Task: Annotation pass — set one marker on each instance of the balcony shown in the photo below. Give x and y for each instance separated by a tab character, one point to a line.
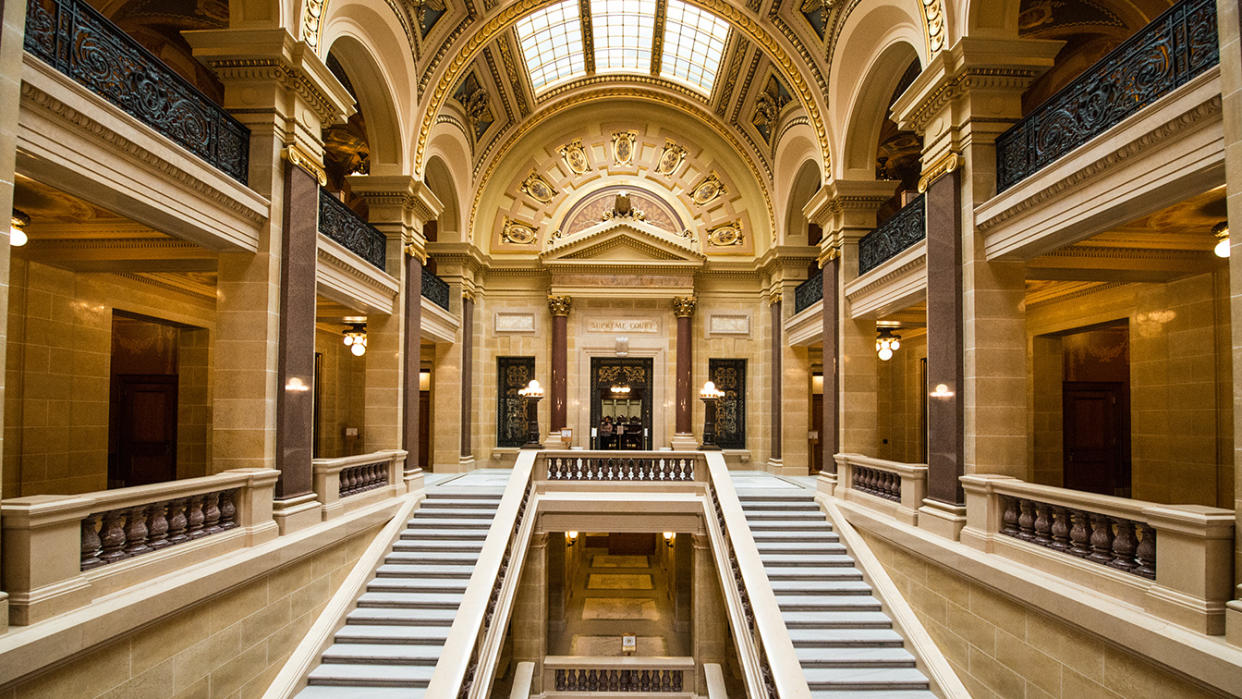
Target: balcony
80	43
1166	54
907	227
435	289
341	224
808	292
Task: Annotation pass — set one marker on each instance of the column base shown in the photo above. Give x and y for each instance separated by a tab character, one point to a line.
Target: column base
684	441
414	481
300	512
466	464
942	519
826	484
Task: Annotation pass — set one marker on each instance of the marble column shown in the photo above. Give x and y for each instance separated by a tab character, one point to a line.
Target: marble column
683	438
467	361
411	360
559	307
944	343
830	431
777	374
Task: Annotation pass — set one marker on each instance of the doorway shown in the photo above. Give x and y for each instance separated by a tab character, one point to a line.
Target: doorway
621	403
143	413
1095	409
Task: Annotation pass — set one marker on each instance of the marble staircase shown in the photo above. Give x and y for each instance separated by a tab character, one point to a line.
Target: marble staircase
391	641
845	641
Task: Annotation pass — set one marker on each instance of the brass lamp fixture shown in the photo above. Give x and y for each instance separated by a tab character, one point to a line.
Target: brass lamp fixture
17	228
356	338
622	390
531	394
710	395
1221	231
887	342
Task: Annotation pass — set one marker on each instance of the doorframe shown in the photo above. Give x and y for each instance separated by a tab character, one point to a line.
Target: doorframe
661	403
648	397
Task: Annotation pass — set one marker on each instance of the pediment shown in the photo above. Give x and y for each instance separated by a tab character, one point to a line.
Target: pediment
628	242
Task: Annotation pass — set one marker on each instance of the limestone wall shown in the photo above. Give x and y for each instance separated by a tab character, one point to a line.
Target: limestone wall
342	386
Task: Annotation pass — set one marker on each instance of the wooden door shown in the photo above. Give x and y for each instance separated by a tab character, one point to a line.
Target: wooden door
1096	436
817	426
147	438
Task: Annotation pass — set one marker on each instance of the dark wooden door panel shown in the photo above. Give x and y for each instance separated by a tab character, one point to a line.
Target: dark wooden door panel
1095	423
147	440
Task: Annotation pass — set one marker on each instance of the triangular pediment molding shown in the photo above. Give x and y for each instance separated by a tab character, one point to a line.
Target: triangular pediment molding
624	241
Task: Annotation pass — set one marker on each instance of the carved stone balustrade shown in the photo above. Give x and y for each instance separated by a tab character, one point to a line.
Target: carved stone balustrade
891	487
1175	561
617	466
663	675
354	481
60	552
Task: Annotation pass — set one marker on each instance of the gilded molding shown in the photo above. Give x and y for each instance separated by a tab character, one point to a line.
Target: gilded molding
518	233
575	157
623	147
560	305
725	235
933	24
538	188
299	158
944	165
683	306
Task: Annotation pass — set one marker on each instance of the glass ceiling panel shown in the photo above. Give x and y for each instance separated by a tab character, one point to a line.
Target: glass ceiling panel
623	31
694	44
551	41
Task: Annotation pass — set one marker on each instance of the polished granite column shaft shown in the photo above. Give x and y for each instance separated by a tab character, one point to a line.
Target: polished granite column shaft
830	430
467	361
945	433
411	360
295	415
775	309
683	309
559	306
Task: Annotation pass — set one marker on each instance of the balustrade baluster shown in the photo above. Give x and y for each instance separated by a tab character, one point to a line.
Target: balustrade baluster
112	536
91	547
194	518
1060	529
679	680
1009	519
211	513
1079	537
176	521
1123	545
157	526
1101	539
560	681
1043	524
614	681
136	530
228	510
1145	553
1026	520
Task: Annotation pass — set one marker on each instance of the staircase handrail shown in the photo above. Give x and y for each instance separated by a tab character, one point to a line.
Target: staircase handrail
473	644
768	642
292	676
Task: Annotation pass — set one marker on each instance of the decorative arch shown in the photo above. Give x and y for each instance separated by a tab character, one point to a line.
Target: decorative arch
805	183
869	108
796	156
440	180
370	88
993	18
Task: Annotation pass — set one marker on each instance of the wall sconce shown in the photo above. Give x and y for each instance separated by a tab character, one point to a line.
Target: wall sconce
941	391
356	339
571	538
887	342
710	395
621	390
1221	231
668	539
17	228
531	394
424	380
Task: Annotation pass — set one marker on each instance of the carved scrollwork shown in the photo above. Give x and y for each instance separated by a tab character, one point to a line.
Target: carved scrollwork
707	190
538	188
518	233
341	224
623	147
725	235
907	227
575	156
670	158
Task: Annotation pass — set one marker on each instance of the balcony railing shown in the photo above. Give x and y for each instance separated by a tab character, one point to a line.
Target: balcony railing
435	289
891	487
340	483
79	42
341	224
1164	55
808	292
907	227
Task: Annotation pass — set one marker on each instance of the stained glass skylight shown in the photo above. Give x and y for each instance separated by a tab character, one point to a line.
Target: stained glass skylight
694	44
624	31
551	41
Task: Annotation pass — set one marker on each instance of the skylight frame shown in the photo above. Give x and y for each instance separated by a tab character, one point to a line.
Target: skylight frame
623	35
694	46
551	43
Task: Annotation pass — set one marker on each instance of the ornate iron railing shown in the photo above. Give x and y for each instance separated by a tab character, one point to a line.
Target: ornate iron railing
341	224
907	227
1164	55
435	289
81	43
808	292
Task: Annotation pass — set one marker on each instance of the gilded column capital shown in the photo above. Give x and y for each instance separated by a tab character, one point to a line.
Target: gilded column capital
560	305
683	306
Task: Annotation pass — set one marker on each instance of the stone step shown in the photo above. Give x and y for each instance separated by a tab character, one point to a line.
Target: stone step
390	616
476	513
425	570
826	603
422	532
854	657
369	675
330	692
384	654
437	522
392	633
820	587
818	560
764	515
436	556
865	678
446	585
409	600
465	546
460	502
822	544
808	573
836	620
863	694
790	525
844	638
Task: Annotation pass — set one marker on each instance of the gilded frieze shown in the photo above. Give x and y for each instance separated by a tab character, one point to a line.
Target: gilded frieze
575	156
623	147
670	158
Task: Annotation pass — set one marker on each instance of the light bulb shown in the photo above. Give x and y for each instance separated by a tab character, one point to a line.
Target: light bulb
886	354
1221	249
895	345
17	237
358	349
349	340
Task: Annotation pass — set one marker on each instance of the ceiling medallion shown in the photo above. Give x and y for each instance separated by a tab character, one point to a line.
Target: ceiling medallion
538	188
623	147
725	235
575	156
707	190
670	159
517	233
